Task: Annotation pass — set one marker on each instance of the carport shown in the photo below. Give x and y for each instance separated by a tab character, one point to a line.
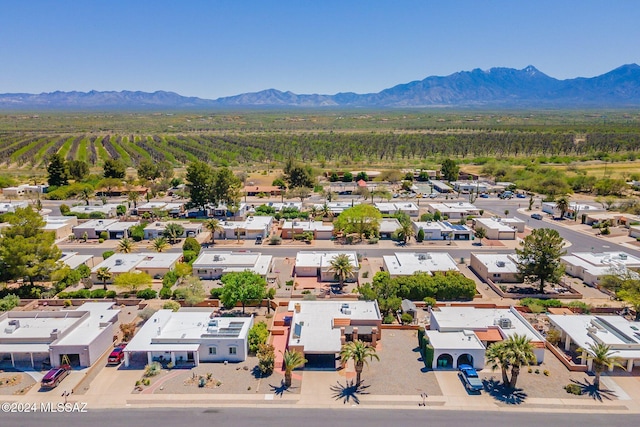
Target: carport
25	355
452	349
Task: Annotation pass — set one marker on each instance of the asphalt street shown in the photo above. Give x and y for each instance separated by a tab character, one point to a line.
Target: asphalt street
349	416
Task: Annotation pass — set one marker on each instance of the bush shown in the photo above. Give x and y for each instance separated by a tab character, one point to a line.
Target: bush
169	279
101	240
107	254
189	256
104	235
67	303
146	313
64	209
266	359
216	292
137	233
573	389
430	302
275	240
191	245
171	305
152	370
98	293
165	292
111	294
258	335
9	302
388	319
406	318
146	294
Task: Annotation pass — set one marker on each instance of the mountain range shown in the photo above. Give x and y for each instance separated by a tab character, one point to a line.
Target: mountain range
493	88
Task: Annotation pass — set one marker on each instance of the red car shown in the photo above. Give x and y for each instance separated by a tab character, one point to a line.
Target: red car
55	376
116	356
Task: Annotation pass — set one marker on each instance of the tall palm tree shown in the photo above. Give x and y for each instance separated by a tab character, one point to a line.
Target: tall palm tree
213	226
292	359
125	246
602	358
513	353
326	211
563	205
133	196
406	231
103	274
359	352
159	244
313	212
173	232
341	268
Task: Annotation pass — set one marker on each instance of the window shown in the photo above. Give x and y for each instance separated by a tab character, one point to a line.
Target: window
213	351
233	350
496	275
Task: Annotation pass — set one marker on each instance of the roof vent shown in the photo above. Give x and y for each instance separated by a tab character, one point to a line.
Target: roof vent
216	257
422	257
12	326
622	255
505	323
119	261
500	263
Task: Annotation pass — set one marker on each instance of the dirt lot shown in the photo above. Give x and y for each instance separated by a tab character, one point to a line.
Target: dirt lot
400	370
14	382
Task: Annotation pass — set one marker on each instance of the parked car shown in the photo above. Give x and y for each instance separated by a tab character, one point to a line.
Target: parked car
117	354
433	195
470	378
536	216
55	376
258	240
484	196
521	196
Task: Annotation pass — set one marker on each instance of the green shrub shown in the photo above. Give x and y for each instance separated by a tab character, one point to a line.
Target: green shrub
137	232
98	293
171	305
191	245
101	240
258	335
104	235
67	303
428	353
388	319
111	294
573	389
406	318
152	370
107	254
169	279
146	294
430	302
216	292
165	292
189	256
9	302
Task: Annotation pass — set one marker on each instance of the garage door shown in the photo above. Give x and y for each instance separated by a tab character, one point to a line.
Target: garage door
320	362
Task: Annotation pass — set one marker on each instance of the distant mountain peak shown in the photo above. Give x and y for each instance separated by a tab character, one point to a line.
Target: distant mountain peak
498	87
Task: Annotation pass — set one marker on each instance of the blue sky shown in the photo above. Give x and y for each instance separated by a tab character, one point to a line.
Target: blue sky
214	48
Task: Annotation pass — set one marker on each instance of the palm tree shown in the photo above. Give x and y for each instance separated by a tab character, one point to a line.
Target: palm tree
173	232
159	244
326	211
406	231
602	358
480	233
313	212
562	204
213	226
359	352
125	246
103	274
292	359
86	194
341	268
133	196
512	353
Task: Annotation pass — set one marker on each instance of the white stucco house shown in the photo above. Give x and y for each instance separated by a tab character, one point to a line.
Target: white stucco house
188	337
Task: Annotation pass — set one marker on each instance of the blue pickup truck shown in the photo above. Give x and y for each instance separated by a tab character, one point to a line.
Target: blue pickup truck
470	378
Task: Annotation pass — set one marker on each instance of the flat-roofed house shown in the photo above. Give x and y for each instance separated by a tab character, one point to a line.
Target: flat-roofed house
408	263
250	228
454	210
190	336
109	210
592	266
6	207
155	264
113	228
442	230
156	229
320	230
319	329
499	268
388	226
456	334
215	264
62	226
391	208
34	338
496	229
316	263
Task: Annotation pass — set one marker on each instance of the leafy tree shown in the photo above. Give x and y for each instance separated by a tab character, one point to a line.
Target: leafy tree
133	197
214	226
191	291
159	244
57	171
480	234
147	170
165	171
242	287
361	219
359	352
299	192
137	232
297	175
603	358
291	359
512	353
257	336
78	169
133	281
86	194
191	244
279	182
25	249
104	275
84	271
9	302
341	268
347	177
114	168
539	257
450	170
630	292
225	188
362	176
125	246
420	235
199	182
173	231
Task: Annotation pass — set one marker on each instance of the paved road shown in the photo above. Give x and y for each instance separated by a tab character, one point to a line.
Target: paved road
347	416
